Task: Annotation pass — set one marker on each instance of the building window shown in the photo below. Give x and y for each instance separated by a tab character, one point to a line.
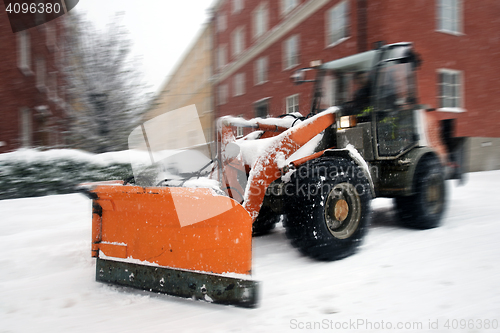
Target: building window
50	35
223	94
52	91
40	74
288	5
450	90
222	56
238	41
261	108
24	52
449	14
292	103
239	129
291	52
260	70
237	6
221	22
26	128
260	20
239	84
337	23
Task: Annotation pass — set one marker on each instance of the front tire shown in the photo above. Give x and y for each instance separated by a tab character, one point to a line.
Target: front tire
329	209
424	209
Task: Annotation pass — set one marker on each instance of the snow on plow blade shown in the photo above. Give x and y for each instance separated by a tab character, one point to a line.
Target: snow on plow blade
186	242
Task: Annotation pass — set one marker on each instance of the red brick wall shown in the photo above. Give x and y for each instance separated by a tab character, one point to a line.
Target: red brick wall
476	53
279	86
18	90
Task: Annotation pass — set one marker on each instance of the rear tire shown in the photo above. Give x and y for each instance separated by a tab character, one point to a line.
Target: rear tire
424	209
265	222
329	209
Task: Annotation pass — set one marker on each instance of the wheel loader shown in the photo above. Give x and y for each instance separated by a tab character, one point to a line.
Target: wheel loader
183	226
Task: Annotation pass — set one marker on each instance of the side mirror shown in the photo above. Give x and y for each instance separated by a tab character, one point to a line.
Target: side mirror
300	76
232	150
413	58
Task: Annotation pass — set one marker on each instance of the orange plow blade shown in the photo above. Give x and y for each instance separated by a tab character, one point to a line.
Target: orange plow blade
187	242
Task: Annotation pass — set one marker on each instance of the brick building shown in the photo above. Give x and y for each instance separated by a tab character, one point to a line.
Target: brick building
259	43
32	106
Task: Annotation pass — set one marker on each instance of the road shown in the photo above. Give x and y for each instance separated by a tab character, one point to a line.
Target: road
437	280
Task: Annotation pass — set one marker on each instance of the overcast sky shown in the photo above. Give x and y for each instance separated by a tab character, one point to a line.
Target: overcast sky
161	30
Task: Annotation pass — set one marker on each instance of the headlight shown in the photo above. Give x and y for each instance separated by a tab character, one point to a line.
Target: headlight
347	121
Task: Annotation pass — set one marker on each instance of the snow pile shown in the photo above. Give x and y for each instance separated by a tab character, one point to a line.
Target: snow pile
32	172
37	155
306	149
204	182
251	150
286	121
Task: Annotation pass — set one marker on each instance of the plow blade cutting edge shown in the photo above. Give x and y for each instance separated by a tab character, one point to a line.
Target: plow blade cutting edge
187	242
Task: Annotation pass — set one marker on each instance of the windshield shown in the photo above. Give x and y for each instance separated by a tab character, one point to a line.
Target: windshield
169	149
395	92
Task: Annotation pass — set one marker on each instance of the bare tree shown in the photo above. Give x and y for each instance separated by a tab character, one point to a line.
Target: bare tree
107	96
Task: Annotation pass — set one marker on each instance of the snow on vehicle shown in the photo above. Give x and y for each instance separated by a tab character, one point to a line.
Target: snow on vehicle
184	228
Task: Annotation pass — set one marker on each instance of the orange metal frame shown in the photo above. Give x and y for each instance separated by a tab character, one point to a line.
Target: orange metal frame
266	169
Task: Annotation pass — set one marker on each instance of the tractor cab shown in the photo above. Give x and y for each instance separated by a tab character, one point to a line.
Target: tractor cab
376	92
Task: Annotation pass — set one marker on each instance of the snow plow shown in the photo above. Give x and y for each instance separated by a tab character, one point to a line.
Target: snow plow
184	226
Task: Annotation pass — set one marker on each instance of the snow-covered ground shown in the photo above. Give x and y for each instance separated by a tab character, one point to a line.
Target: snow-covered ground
407	280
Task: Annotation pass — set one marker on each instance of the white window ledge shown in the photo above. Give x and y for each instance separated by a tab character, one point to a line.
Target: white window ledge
338	41
26	70
455	110
451	32
290	67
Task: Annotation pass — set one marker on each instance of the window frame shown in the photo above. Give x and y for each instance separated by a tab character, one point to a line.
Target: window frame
26	127
261	70
456	107
459	17
52	86
24	52
329	24
260	20
237	6
292	102
50	35
288	6
222	94
221	22
263	102
238	41
41	74
239	129
239	84
291	60
222	56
